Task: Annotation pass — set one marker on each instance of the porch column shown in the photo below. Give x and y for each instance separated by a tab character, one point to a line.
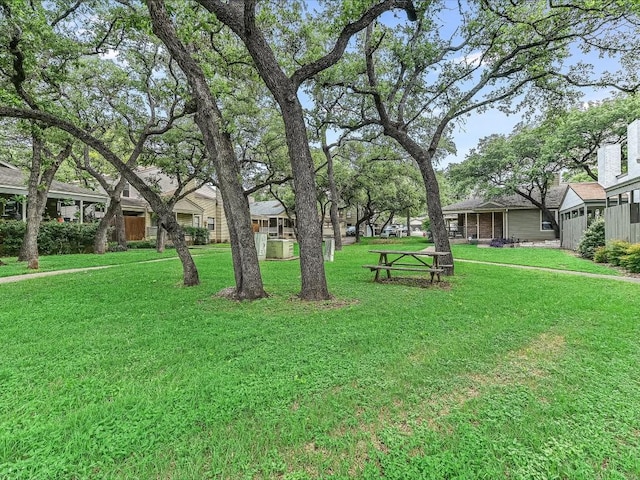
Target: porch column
24	210
466	224
478	226
506	223
81	219
493	224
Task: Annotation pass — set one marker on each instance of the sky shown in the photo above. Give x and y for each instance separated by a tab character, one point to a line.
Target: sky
479	125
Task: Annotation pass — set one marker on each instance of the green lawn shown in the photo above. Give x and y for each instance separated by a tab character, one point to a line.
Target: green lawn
123	373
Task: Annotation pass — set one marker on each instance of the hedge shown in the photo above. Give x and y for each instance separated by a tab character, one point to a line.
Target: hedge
54	238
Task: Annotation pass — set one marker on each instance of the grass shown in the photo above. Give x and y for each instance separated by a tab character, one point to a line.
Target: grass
123	373
63	262
535	257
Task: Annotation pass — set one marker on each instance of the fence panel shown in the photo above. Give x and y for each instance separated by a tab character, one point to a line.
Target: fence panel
572	231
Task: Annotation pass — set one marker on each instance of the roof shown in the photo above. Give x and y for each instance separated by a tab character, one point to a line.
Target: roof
589	191
513	201
15	181
269	208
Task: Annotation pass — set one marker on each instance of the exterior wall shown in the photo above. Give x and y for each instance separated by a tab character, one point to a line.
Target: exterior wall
525	225
222	227
571	200
617	225
572	230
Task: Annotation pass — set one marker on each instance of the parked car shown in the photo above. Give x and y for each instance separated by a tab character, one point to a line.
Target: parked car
389	232
351	231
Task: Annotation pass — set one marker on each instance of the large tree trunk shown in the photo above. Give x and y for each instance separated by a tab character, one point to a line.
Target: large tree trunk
100	240
38	188
314	282
36	202
218	143
434	206
161	238
121	231
174	230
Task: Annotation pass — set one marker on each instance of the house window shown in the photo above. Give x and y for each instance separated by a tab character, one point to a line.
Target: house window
546	222
211	224
196	221
126	192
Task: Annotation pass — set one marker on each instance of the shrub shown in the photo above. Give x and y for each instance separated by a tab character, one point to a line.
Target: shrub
600	255
593	238
141	244
11	235
54	238
631	261
616	250
199	235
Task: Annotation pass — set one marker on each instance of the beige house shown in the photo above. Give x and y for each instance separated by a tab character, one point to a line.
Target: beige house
201	208
509	216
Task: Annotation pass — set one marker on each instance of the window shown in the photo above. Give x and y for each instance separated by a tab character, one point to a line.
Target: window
546	222
196	221
211	223
126	192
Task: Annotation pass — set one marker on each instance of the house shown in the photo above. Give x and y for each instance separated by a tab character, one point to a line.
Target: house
64	200
270	217
200	208
620	178
580	205
509	216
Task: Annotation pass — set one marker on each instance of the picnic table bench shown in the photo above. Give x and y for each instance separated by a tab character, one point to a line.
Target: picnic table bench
407	261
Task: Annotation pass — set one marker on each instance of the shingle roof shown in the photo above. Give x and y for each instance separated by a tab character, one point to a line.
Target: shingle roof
17	179
553	200
266	208
589	190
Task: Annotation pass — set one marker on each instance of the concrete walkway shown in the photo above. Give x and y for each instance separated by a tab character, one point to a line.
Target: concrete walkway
553	270
29	276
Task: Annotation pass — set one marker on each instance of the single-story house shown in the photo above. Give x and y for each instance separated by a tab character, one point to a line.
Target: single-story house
271	218
508	216
64	200
580	205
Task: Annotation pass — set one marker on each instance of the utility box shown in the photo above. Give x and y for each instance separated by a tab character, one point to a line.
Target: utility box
279	248
260	240
329	249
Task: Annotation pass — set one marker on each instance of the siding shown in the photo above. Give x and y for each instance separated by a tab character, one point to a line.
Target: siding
525	225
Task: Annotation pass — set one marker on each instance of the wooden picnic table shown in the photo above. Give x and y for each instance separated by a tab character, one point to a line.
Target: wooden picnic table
407	261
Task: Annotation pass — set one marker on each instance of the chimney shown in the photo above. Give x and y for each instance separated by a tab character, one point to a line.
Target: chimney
609	164
633	149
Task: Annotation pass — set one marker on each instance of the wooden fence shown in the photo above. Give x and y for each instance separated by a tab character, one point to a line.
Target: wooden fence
572	231
618	226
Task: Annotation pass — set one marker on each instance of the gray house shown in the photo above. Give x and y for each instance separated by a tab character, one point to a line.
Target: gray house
581	204
509	216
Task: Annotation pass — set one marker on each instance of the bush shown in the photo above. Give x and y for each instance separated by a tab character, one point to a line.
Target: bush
141	244
616	250
11	235
600	255
593	238
200	236
631	261
54	238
